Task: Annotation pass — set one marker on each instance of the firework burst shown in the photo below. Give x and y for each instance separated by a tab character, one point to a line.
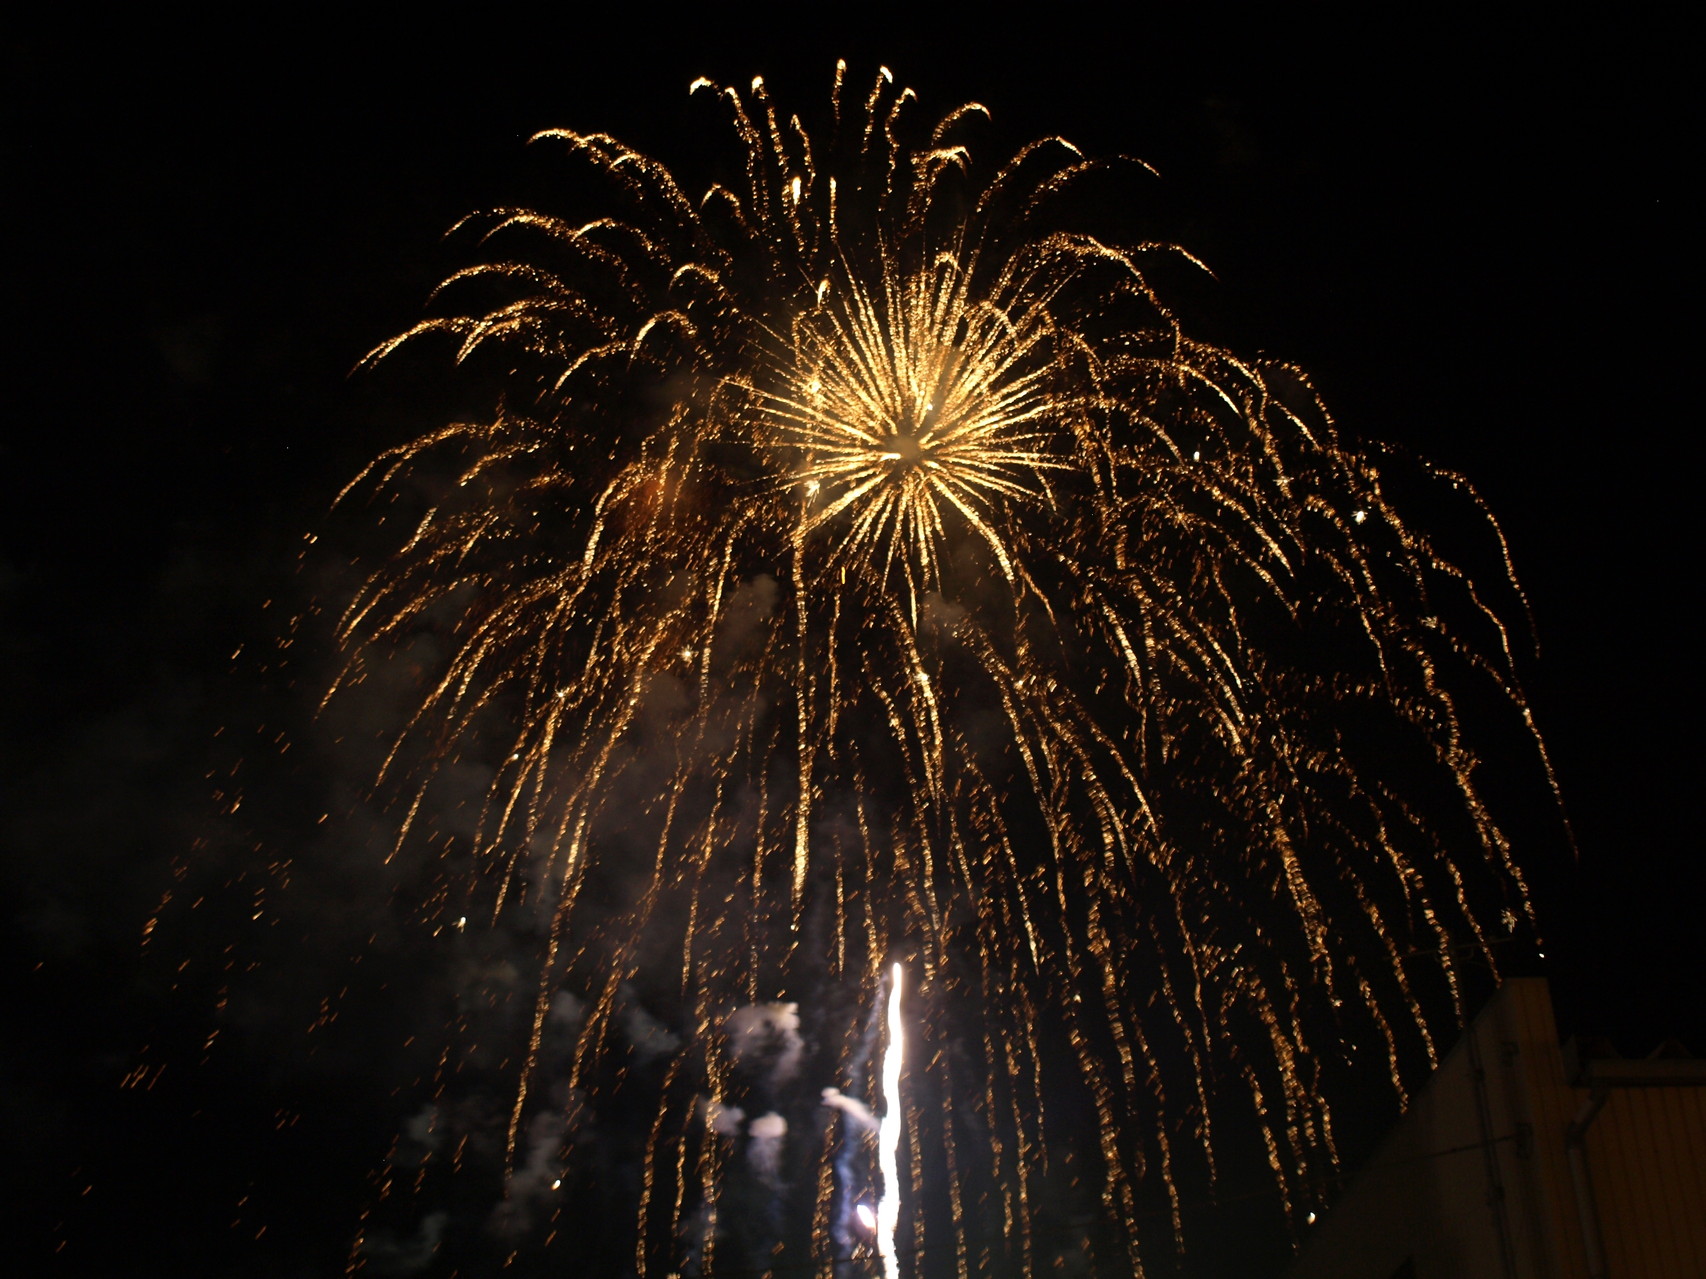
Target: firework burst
859	562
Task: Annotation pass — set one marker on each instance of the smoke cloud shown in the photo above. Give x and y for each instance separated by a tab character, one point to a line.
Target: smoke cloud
855	1110
764	1137
390	1254
764	1040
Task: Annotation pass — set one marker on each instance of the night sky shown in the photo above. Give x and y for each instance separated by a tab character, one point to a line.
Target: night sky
1469	232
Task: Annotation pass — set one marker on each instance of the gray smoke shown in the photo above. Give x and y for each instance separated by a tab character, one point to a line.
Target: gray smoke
764	1040
389	1254
764	1137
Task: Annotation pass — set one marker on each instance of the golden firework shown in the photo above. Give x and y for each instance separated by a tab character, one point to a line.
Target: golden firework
861	560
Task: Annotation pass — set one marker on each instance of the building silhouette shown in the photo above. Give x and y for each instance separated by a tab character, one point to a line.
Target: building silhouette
1524	1159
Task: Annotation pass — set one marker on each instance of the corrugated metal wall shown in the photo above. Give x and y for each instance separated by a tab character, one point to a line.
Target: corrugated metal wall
1516	1215
1646	1156
1647	1152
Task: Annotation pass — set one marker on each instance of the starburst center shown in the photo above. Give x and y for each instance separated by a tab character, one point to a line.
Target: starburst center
903	452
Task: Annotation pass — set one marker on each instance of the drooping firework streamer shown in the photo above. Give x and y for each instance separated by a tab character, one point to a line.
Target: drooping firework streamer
860	558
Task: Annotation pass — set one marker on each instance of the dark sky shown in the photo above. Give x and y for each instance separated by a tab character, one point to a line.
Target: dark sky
1470	231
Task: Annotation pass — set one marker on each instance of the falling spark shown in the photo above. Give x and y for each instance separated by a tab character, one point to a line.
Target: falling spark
860	554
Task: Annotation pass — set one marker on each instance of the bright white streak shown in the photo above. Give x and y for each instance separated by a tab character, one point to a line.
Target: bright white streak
888	1138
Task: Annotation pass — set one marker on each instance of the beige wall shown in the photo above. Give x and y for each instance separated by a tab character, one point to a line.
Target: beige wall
1475	1182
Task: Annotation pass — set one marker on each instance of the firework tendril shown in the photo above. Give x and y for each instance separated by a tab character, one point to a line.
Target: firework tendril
860	564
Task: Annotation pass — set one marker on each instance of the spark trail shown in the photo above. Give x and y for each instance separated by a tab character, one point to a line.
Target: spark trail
888	1134
860	559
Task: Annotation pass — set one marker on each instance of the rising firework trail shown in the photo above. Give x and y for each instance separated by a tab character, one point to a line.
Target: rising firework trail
858	559
888	1134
